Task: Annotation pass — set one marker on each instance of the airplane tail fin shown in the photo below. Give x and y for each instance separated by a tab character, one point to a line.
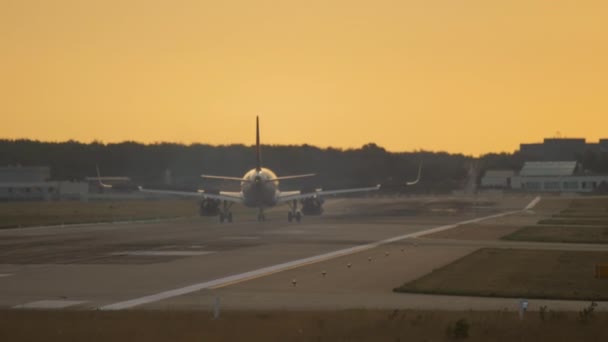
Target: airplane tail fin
101	179
414	182
258	165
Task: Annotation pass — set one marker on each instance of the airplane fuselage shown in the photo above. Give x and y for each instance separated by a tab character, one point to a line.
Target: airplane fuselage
258	188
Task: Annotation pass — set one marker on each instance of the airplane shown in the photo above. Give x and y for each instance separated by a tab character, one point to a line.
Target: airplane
260	189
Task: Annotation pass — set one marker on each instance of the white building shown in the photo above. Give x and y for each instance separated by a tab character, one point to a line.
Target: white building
19	183
497	179
556	177
49	190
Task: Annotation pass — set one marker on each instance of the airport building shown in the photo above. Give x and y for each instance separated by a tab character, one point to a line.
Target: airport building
31	183
557	177
497	179
560	149
554	176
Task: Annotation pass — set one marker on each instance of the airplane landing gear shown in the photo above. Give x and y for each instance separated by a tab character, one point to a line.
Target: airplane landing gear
294	213
261	216
225	217
294	216
225	214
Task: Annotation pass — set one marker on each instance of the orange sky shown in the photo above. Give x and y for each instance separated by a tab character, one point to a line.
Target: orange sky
470	76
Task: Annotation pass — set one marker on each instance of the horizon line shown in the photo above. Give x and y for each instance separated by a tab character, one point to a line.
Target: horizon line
105	143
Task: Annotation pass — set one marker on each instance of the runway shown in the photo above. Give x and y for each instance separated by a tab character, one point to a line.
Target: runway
351	258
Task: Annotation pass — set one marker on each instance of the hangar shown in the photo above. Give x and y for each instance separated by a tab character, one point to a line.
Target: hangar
497	179
31	183
561	149
557	176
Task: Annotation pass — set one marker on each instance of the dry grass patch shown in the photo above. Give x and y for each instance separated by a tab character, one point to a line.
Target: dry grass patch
518	273
582	211
596	202
476	231
579	221
590	234
351	325
24	214
583	221
583	205
552	204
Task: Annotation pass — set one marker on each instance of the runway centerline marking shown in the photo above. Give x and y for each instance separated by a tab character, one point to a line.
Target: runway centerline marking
240	238
265	271
532	204
161	253
49	304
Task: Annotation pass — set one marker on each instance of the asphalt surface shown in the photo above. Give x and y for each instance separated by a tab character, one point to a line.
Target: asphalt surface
350	258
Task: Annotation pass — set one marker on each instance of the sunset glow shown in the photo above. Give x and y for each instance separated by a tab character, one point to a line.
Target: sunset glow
470	76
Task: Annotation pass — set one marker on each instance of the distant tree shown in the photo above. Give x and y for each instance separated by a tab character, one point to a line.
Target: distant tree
335	168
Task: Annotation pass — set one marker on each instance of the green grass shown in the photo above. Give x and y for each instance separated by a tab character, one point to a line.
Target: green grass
516	273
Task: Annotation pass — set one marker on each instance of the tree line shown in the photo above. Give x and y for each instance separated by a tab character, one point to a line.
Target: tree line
170	165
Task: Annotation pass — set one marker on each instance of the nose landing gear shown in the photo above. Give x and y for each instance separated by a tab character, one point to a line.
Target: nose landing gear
293	213
291	216
261	216
225	214
225	217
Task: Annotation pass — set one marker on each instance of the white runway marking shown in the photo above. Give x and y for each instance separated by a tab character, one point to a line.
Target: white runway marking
286	232
532	204
237	278
111	225
5	275
162	253
49	304
240	238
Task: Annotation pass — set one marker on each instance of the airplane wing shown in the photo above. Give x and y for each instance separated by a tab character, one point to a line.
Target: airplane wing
296	195
291	177
234	197
236	179
247	180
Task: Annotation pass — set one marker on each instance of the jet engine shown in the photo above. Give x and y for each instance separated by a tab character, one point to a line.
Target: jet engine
312	206
209	207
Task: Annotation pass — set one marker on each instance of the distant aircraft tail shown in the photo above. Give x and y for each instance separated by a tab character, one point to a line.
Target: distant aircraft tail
101	179
258	165
414	182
